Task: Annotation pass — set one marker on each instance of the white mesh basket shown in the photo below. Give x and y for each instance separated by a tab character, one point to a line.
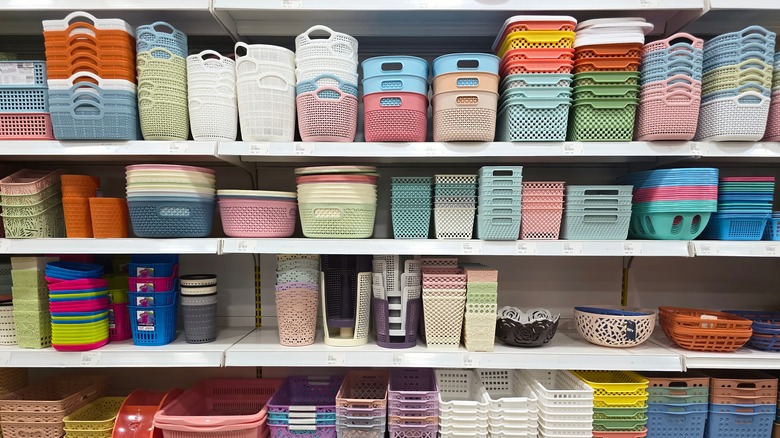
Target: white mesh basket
479	331
266	54
614	330
209	62
7	327
454	223
461	394
739	118
336	42
266	106
559	390
348	76
103	84
508	393
362	314
443	321
249	68
334	63
213	120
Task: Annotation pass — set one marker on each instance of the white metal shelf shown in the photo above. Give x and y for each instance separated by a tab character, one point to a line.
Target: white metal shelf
744	358
126	355
113	151
109	246
723	248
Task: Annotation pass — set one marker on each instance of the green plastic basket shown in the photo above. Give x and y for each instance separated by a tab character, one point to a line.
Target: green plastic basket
678	399
619	425
32	209
591	225
602	120
50	223
482	298
34	198
33	329
338	221
620	413
117	296
481	308
28	278
31	305
30	293
586	92
606	78
481	288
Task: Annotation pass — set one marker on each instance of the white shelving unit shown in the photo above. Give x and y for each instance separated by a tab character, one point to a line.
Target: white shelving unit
109	246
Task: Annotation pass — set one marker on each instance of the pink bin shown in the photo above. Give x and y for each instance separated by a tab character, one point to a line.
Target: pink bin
327	114
119	323
29	126
392	116
258	217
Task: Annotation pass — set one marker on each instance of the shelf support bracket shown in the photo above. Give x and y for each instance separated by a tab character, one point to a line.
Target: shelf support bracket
627	262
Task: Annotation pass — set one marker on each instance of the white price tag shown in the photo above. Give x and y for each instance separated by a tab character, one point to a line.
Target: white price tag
695	148
648	3
246	246
572	248
303	149
5	246
432	150
526	248
632	248
178	147
5	358
425	4
704	249
335	359
259	148
399	359
770	249
470	361
472	248
90	359
573	149
292	3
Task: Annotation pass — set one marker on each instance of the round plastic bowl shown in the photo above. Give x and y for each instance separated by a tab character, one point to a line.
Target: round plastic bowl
458	62
614	326
198	280
199	291
170	167
395	65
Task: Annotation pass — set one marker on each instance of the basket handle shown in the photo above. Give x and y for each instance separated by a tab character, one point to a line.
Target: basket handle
315	81
77	41
465	100
678	37
165	26
316	28
467	64
758	46
751	63
679	80
95	79
273	86
76	105
391	101
87	97
242	45
327	213
161	50
756	30
204	53
317	92
84	18
748	94
600	218
679	102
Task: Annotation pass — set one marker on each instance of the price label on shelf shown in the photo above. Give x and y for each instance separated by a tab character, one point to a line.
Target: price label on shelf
704	249
5	358
572	248
695	148
5	246
259	148
399	359
303	149
90	358
526	248
573	149
470	361
335	359
649	3
432	150
472	248
770	249
292	4
178	147
632	248
246	246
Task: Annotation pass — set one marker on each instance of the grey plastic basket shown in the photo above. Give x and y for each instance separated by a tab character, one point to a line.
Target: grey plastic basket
595	226
200	323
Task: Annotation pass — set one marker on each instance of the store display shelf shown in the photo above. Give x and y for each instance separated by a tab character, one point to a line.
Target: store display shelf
724	248
126	355
109	246
565	351
107	151
744	358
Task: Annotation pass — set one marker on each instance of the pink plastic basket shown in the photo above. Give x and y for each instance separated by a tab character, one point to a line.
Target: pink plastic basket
257	218
674	116
674	83
395	117
80	284
363	390
666	43
81	306
541	224
773	122
119	322
161	284
296	310
28	182
443	281
32	126
321	117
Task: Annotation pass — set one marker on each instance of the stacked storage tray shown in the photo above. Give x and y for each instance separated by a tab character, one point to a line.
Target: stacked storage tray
479	327
24	101
597	213
744	208
463	404
410	207
513	406
397	290
32	204
361	405
412	403
677	404
304	407
565	403
30	302
542	204
455	199
742	403
444	299
499	211
620	402
773	119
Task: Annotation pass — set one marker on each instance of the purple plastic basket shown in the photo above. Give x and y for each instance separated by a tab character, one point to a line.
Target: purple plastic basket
278	431
413	431
413	385
381	317
306	394
416	409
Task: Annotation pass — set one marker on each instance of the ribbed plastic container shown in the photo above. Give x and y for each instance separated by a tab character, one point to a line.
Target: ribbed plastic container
200	323
395	116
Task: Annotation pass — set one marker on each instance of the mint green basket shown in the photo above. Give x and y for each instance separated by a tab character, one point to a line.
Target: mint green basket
337	221
32	209
50	223
602	120
481	288
33	329
31	305
668	226
481	298
28	278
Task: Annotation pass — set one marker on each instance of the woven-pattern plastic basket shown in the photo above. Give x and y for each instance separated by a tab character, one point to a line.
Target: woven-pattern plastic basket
614	330
338	220
266	104
395	117
297	314
174	218
735	118
464	116
323	116
258	218
601	120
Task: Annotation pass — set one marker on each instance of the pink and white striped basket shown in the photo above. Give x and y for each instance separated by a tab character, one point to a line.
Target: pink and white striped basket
327	114
773	122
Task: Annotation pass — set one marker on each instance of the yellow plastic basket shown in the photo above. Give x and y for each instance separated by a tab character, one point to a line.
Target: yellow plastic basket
620	401
614	383
95	419
537	39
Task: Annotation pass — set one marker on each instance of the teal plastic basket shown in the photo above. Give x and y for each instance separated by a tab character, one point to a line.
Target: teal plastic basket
668	226
411	223
533	120
498	227
595	225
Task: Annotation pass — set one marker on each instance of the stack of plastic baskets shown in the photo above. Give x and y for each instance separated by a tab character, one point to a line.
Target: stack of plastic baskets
95	419
597	213
677	404
744	208
397	302
7	327
345	286
542	205
607	55
565	403
444	303
297	298
304	407
162	82
772	231
361	405
773	120
412	403
498	214
455	199
736	85
265	83
327	80
118	313
235	407
154	294
742	403
536	61
6	282
620	402
465	97
211	96
671	89
91	71
479	321
32	204
76	191
513	406
31	302
24	97
410	207
395	98
672	204
257	213
463	404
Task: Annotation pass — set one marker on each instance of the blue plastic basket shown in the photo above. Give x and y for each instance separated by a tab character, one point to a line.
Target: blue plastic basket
86	120
170	217
772	230
155	258
395	83
751	52
73	270
24	100
151	300
685	50
283	418
766	328
725	422
28	74
472	62
148	37
533	120
153	326
395	65
498	227
312	85
150	270
676	424
740	35
700	406
411	223
664	75
736	226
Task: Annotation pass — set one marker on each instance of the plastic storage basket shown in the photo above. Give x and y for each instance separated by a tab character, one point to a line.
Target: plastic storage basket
395	117
176	217
464	116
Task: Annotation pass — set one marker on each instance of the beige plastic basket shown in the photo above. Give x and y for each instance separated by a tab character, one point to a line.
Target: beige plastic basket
443	321
464	116
465	82
479	331
12	379
297	315
613	330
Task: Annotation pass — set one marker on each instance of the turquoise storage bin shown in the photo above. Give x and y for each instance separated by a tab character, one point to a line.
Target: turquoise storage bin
411	223
498	201
668	226
748	227
312	85
395	65
500	171
395	83
523	119
474	62
595	225
499	210
498	227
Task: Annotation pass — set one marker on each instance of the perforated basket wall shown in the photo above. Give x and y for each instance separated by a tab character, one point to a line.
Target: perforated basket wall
163	120
612	331
543	224
213	120
668	118
607	225
518	122
50	223
772	132
411	223
395	117
266	108
26	127
327	119
346	221
454	223
479	331
173	218
443	318
594	123
200	323
464	118
248	218
741	118
297	314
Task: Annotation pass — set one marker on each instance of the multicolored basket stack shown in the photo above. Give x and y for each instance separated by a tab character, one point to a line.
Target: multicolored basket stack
410	207
32	204
704	330
395	99
361	405
499	211
304	406
744	208
737	85
773	120
671	88
479	326
619	400
91	70
542	210
607	56
297	298
444	301
327	80
153	283
536	62
677	404
455	201
597	213
32	321
742	403
412	403
465	97
24	111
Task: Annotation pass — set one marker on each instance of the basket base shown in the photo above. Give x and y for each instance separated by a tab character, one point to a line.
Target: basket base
328	139
667	137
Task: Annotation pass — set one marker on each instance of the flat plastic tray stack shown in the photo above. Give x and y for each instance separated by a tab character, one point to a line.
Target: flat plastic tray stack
597	213
211	96
304	407
297	298
766	328
32	204
94	420
620	402
31	302
397	302
455	201
91	70
742	403
744	208
536	61
463	404
412	403
672	204
607	56
444	300
565	403
542	210
410	206
327	80
395	99
465	97
513	408
671	88
704	330
736	85
479	326
677	404
361	405
499	211
773	120
24	101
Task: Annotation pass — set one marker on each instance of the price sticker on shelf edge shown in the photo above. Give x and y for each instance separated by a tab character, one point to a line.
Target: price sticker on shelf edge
573	149
399	359
432	150
695	148
178	147
5	245
572	248
770	249
335	359
292	4
90	358
303	149
632	248
472	248
470	361
261	148
246	246
704	249
5	358
526	248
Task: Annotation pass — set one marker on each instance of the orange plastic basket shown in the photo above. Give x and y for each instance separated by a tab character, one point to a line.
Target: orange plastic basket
628	50
537	66
690	379
83	186
743	383
521	54
109	217
85	40
706	340
607	64
88	54
465	81
80	29
78	222
702	319
730	400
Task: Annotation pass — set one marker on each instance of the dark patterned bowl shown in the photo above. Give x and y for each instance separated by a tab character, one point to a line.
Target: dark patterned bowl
518	334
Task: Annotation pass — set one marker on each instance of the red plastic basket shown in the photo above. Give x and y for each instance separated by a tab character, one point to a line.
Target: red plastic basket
27	126
119	322
392	116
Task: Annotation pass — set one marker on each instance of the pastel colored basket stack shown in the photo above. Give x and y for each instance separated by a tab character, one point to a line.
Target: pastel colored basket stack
410	206
737	85
297	298
742	403
542	205
479	320
361	404
326	89
24	112
211	96
257	213
30	294
744	207
677	404
500	194
304	405
455	202
536	62
773	121
162	82
465	97
395	99
671	89
92	80
412	403
597	212
265	84
444	303
153	296
32	204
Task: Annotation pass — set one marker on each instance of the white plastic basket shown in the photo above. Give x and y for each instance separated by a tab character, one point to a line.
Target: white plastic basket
362	313
330	62
210	120
564	433
501	433
739	118
336	42
348	76
507	391
443	321
266	107
86	17
266	54
104	84
479	331
7	327
576	428
250	68
454	223
461	393
559	388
